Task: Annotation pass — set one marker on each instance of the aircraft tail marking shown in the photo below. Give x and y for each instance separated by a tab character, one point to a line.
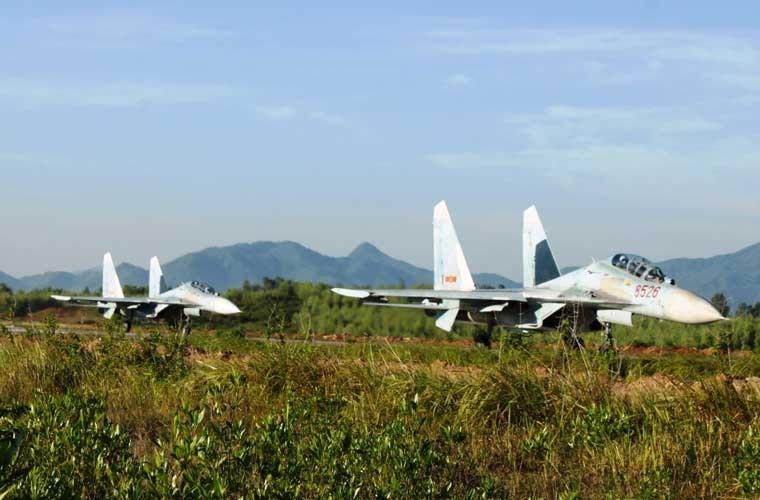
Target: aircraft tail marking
156	281
111	283
539	265
450	267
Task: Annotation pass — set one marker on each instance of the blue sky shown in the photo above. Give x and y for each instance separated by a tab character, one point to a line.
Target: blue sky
165	127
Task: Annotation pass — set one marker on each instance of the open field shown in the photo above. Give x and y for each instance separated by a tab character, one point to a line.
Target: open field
215	415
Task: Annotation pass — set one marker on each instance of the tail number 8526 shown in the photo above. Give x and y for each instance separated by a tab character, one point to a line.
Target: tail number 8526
646	291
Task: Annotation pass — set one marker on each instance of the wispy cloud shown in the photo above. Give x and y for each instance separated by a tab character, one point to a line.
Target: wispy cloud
674	45
629	151
563	125
458	80
288	112
35	93
609	56
31	159
127	26
328	118
280	113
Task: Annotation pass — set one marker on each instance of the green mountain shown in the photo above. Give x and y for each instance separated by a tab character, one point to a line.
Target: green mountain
737	275
228	267
10	281
231	266
91	278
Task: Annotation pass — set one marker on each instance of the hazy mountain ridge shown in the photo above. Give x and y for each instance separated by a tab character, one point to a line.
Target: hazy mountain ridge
230	266
736	274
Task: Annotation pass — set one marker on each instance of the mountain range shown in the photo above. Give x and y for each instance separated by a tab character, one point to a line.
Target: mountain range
230	266
737	275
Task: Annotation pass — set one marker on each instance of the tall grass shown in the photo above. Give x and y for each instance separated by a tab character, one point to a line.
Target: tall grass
161	417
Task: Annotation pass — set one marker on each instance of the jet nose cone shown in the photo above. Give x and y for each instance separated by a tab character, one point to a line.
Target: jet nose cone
224	306
686	307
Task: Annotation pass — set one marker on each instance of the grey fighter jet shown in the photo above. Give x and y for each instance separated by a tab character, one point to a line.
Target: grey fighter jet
176	305
593	297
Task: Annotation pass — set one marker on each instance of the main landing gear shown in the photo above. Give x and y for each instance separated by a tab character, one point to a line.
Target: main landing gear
128	322
485	337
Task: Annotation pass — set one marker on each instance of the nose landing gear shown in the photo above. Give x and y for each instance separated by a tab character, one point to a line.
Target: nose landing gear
185	325
608	344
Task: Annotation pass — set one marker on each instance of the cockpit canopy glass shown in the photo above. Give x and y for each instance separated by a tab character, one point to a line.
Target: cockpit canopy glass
204	287
639	267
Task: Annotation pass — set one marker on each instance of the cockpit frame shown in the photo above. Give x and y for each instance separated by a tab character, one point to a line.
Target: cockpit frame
204	287
639	267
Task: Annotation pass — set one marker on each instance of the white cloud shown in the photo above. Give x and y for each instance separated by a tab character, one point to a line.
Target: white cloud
328	118
673	45
562	125
680	155
279	113
127	26
46	93
288	112
31	160
613	57
458	80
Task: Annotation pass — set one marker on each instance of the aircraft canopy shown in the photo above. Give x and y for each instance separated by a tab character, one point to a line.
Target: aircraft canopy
203	287
638	266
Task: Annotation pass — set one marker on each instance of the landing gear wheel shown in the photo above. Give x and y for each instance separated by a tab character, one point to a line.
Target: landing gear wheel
186	327
484	337
128	323
609	342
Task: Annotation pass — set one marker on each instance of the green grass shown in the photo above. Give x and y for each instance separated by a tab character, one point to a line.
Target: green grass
221	416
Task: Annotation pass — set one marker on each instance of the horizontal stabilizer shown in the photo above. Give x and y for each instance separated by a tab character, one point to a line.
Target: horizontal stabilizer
446	320
541	314
109	312
348	292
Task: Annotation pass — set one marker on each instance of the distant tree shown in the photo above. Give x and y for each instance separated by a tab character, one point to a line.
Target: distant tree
5	289
135	291
720	302
755	310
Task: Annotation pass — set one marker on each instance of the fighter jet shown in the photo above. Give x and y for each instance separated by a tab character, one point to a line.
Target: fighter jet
605	292
176	305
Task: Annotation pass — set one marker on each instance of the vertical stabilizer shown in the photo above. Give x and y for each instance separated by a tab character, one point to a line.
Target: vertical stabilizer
539	265
156	282
111	283
450	267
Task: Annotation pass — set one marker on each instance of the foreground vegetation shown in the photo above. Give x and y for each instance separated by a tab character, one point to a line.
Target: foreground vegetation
220	416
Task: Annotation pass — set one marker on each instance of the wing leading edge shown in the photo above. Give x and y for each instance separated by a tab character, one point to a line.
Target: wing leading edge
123	301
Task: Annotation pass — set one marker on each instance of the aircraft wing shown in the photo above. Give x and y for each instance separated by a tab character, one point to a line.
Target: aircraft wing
498	296
474	295
121	301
